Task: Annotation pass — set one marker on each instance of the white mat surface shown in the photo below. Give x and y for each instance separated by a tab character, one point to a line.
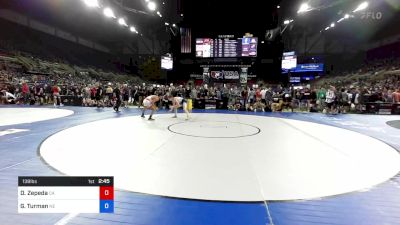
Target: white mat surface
13	116
287	160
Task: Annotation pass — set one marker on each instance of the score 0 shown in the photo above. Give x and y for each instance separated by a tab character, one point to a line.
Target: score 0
106	199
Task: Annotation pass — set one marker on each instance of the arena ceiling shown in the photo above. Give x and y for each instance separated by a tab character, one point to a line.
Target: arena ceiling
75	17
227	15
381	19
206	15
211	16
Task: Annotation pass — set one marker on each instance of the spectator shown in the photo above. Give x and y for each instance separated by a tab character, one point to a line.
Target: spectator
56	95
396	96
25	92
7	97
330	100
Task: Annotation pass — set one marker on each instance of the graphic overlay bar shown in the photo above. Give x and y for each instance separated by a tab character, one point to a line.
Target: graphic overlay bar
65	194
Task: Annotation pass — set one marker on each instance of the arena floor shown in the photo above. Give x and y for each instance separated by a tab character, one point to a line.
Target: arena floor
220	167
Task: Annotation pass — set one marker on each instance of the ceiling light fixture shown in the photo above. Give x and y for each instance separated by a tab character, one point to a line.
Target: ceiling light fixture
304	8
361	7
109	13
152	6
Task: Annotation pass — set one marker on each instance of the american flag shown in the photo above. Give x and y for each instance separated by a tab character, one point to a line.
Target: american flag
186	40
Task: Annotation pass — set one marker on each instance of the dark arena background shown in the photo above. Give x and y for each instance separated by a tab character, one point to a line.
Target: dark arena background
199	112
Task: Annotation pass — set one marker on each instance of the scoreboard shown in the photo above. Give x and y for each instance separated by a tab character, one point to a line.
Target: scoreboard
226	47
65	194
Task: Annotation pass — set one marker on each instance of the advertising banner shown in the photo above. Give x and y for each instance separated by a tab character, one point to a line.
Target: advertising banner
206	75
225	75
243	75
311	67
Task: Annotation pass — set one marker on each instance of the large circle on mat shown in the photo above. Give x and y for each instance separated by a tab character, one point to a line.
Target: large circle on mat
287	160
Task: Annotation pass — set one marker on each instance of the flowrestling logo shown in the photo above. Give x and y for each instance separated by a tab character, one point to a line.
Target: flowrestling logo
371	15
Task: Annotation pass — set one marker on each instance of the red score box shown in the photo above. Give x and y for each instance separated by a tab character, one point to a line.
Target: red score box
107	193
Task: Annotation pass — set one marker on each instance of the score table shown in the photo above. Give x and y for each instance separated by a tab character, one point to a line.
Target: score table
65	194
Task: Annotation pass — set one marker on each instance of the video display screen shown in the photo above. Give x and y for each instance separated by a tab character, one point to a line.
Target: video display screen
226	47
289	61
166	63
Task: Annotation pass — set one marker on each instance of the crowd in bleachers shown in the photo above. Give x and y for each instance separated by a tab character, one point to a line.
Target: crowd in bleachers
334	95
38	69
54	82
29	80
377	81
49	48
